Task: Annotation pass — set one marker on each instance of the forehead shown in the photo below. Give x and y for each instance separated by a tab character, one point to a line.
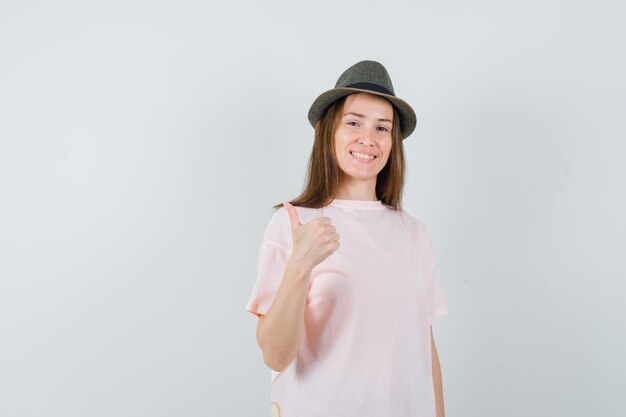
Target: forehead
369	105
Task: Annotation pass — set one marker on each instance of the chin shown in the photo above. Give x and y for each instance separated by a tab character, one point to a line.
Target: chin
362	177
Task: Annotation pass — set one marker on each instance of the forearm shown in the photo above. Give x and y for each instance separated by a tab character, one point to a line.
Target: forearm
438	384
282	328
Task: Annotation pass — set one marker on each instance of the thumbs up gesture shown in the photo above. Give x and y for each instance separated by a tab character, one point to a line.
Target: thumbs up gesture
312	242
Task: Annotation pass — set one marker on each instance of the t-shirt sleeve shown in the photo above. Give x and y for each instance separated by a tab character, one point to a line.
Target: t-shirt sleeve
436	303
271	266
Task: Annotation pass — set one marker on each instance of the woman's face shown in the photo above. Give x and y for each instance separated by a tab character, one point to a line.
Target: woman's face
364	128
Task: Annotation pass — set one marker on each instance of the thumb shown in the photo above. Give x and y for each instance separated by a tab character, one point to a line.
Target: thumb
293	216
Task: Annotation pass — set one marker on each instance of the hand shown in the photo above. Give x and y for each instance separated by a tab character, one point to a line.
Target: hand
312	242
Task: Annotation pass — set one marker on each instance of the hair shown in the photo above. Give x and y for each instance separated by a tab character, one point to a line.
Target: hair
324	174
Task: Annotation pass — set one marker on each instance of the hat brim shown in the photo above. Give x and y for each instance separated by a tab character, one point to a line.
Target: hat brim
408	118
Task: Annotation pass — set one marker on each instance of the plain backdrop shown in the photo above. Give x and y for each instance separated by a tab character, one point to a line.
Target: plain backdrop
143	144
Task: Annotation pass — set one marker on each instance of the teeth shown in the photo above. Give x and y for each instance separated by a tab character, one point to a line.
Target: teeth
362	155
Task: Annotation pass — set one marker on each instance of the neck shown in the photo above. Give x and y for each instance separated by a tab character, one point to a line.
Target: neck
357	190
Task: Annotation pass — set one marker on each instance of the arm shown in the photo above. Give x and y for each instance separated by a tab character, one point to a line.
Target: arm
437	377
280	332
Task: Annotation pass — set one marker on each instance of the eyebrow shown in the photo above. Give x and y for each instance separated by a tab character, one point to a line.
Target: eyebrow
362	116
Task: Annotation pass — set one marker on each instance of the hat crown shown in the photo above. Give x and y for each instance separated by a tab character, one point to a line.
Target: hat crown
369	72
367	77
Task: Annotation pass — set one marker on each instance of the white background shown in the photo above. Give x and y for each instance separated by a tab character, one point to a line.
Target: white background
143	143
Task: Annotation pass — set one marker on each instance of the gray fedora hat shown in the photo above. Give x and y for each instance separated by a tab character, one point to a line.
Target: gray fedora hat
365	77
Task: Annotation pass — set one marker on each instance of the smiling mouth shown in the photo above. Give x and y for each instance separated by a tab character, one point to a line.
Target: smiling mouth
362	156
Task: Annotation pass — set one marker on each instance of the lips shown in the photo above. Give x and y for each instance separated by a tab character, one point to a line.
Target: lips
363	156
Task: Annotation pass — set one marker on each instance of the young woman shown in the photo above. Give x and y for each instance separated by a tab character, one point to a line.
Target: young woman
346	327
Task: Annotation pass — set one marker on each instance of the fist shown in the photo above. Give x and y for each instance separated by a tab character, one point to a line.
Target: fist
312	242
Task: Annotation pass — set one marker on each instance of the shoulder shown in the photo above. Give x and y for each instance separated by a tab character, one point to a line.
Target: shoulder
414	223
410	219
279	220
278	229
278	217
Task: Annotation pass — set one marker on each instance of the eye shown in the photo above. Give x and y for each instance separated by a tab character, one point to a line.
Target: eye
355	123
383	129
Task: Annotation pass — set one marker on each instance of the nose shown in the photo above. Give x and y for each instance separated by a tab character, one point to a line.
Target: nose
366	137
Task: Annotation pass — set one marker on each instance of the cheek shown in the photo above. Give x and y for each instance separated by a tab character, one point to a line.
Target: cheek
388	148
341	141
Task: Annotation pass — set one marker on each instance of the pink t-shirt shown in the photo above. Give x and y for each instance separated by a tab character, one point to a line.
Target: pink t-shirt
366	349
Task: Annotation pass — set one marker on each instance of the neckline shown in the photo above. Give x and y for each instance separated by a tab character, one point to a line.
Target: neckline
358	204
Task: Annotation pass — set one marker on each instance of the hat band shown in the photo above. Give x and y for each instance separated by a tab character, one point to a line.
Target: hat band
371	87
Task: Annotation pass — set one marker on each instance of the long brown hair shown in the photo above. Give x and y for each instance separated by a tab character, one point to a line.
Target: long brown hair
324	174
